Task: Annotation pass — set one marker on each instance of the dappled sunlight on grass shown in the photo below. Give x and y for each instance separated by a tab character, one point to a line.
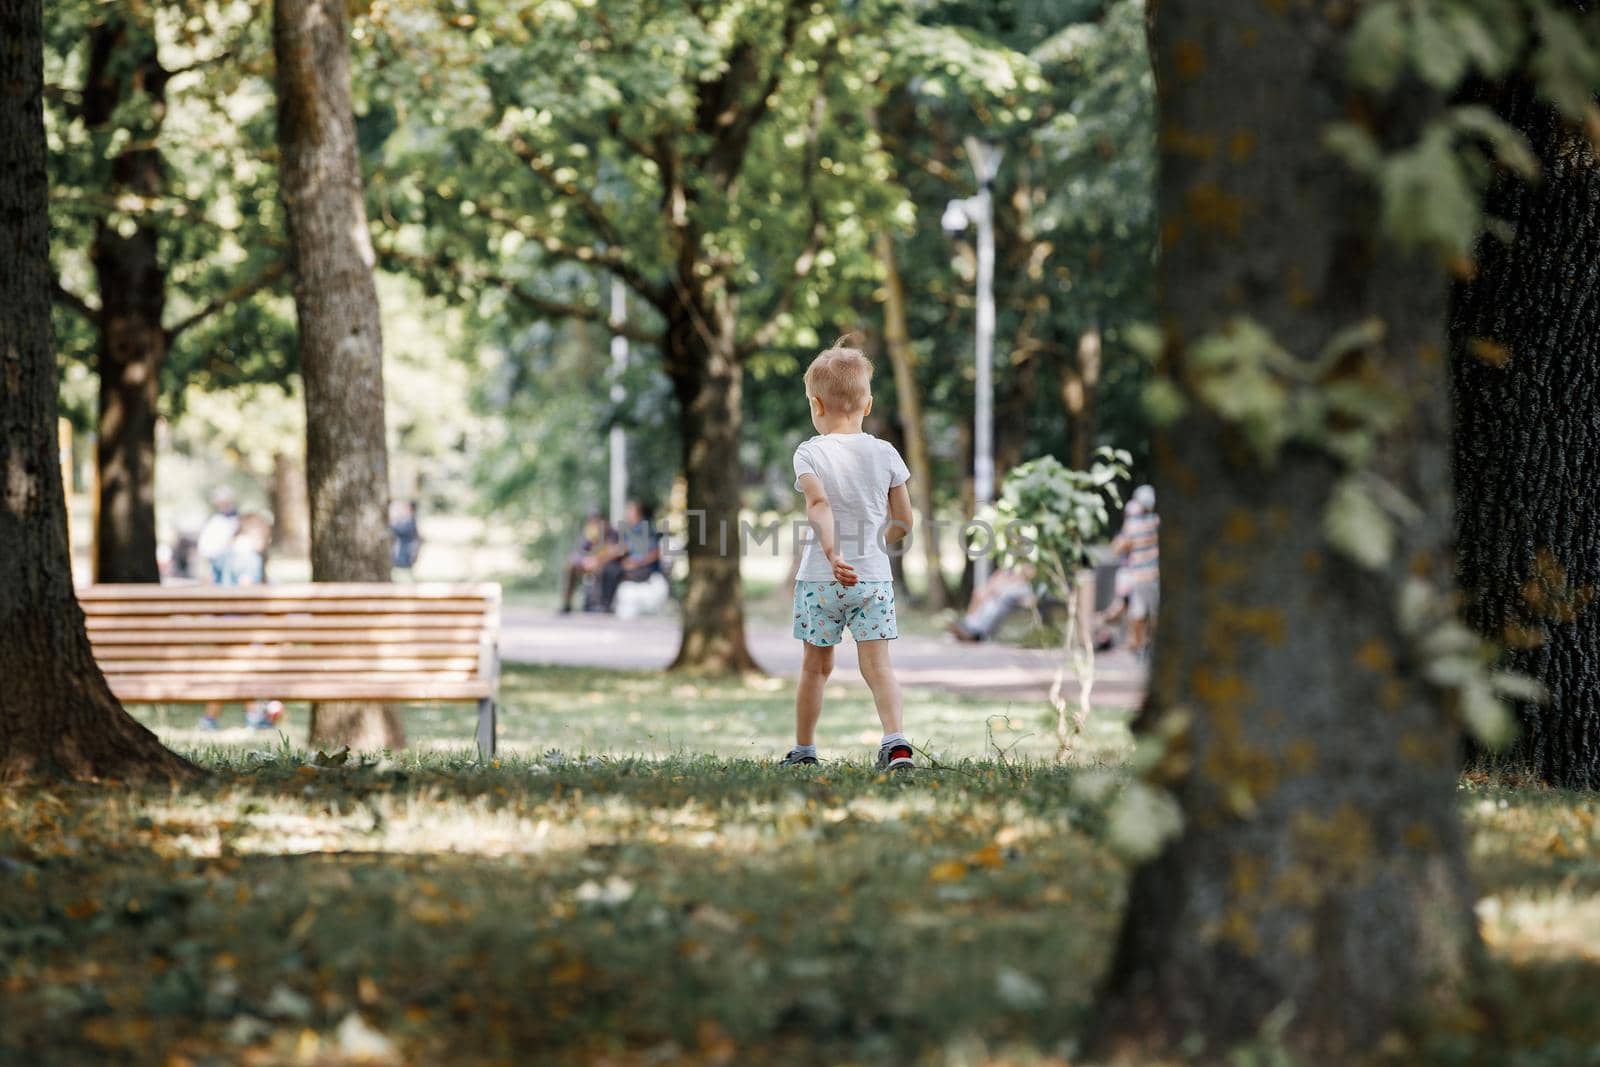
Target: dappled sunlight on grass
594	908
1539	853
585	909
626	713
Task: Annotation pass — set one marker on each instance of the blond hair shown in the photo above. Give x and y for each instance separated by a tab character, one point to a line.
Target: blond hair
841	377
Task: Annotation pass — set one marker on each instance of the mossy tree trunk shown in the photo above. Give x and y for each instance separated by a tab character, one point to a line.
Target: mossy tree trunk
1080	395
341	343
57	715
707	373
125	77
1320	876
1526	362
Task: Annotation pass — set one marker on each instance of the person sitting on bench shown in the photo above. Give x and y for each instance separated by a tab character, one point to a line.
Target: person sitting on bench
637	555
587	562
1007	590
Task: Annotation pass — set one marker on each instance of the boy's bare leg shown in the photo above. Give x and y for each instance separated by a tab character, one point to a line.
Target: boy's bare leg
815	666
878	673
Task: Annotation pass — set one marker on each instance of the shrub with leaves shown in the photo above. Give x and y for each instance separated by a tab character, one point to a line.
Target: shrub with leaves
1047	517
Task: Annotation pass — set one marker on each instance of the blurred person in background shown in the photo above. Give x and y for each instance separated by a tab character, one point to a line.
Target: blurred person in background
588	558
216	536
407	538
1139	577
245	563
1007	590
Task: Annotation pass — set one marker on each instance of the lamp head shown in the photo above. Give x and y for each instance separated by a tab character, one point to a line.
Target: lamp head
955	218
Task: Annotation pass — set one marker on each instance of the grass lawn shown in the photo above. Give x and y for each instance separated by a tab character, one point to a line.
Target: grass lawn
582	711
608	909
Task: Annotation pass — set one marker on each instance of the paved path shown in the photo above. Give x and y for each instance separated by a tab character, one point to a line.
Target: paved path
537	636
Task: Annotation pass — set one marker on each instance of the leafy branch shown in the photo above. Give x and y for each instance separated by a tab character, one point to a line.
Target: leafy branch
243	291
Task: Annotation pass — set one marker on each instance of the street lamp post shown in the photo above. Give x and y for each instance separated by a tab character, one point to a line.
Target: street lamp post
979	210
618	438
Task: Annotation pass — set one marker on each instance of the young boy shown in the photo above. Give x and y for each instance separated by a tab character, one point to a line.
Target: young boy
857	504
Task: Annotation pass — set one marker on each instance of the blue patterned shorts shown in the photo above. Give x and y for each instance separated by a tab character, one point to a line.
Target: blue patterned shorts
823	609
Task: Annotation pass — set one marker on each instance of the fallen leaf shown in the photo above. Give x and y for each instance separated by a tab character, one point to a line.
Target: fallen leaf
360	1042
989	857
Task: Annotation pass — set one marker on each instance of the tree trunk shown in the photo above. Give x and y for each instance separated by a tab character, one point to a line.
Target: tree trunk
1525	350
341	345
1019	374
706	373
969	507
291	507
124	71
1080	388
908	398
57	715
1320	876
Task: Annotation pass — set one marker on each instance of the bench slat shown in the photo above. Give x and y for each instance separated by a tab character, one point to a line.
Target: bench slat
240	606
307	622
332	641
144	650
466	666
267	636
138	689
324	591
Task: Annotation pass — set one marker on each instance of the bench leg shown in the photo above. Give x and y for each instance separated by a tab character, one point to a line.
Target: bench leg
488	715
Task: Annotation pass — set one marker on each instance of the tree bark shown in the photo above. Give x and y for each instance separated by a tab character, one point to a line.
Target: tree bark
1080	391
341	344
703	362
1320	870
1018	380
291	507
908	398
123	71
57	715
1525	349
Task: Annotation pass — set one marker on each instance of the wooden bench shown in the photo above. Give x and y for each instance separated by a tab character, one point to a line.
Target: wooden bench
189	644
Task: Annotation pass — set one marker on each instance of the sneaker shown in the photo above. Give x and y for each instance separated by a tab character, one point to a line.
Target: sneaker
208	723
895	757
796	758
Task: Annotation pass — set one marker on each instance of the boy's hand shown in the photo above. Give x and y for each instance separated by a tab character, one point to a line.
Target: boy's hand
843	573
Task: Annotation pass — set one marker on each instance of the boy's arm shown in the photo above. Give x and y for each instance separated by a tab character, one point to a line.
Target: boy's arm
820	514
900	515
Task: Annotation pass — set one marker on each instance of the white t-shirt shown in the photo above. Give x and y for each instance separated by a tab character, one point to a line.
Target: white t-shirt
216	536
856	471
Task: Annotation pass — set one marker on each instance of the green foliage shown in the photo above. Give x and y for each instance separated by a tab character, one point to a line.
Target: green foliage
571	134
217	219
1357	525
1433	188
1458	661
524	153
542	461
1049	516
1075	219
1337	402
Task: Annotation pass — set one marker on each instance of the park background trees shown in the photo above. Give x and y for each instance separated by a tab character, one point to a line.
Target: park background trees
510	163
799	240
1317	861
340	335
166	234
